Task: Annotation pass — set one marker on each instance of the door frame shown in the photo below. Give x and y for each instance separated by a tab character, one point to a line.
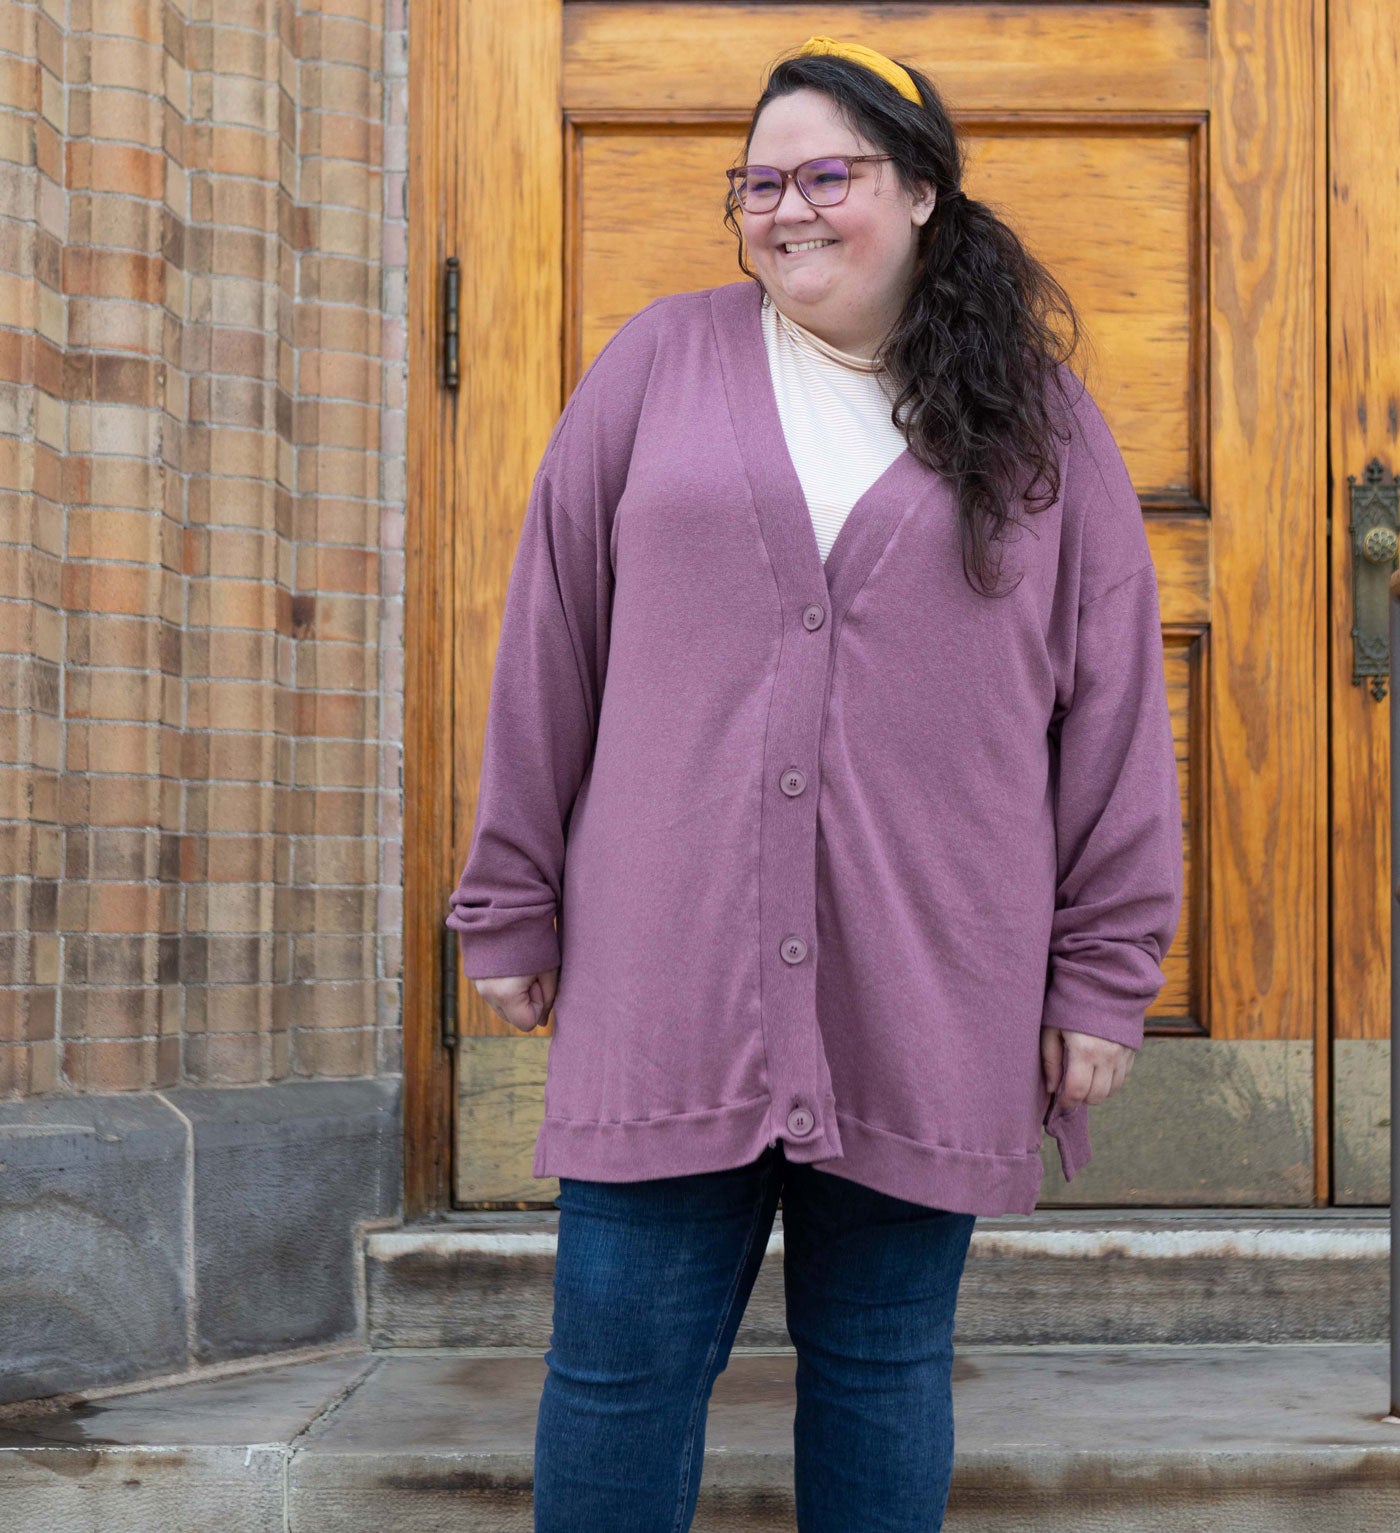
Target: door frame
428	1077
466	59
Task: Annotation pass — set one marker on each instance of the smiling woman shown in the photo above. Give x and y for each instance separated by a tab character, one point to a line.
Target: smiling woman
845	880
843	268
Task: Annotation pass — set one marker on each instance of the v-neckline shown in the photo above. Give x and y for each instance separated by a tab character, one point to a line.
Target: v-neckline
778	494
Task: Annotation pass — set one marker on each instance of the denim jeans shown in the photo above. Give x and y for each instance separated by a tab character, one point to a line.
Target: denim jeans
651	1281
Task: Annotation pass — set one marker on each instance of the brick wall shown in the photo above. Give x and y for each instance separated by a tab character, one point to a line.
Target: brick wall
202	381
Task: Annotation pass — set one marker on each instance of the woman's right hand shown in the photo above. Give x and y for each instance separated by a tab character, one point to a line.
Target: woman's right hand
524	1002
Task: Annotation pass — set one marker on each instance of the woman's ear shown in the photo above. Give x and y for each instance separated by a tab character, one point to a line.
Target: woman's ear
924	200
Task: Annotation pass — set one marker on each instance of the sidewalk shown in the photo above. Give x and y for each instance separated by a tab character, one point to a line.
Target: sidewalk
1134	1439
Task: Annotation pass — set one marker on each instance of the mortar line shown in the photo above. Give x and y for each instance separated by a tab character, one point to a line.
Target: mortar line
191	1282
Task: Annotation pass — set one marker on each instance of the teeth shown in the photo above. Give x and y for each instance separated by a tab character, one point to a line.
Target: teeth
808	245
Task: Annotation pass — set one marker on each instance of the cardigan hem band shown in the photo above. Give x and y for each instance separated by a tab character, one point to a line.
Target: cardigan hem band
720	1139
643	1149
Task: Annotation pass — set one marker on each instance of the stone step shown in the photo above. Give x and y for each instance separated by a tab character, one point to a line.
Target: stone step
1052	1277
1143	1439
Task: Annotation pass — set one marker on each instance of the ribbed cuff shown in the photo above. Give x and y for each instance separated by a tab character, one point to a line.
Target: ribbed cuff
525	947
1077	1005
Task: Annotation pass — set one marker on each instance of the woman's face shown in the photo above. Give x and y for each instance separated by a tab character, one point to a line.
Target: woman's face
852	290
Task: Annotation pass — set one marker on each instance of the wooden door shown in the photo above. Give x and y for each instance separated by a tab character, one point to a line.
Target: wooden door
1163	160
1364	285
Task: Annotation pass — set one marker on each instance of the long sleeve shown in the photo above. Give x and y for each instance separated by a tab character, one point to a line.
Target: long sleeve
1119	870
551	661
546	691
1118	822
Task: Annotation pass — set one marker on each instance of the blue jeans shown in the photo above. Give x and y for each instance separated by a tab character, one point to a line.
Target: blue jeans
651	1280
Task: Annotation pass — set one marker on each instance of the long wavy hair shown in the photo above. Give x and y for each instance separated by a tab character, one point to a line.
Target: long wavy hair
973	353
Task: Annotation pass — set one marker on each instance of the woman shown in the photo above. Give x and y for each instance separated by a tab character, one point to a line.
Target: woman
832	656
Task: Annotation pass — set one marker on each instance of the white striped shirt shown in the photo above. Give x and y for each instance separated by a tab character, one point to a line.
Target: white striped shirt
836	422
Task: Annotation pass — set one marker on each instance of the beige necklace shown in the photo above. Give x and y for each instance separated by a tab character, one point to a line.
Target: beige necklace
804	337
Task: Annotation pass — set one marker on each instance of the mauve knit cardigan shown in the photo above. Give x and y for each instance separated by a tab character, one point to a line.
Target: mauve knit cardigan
826	846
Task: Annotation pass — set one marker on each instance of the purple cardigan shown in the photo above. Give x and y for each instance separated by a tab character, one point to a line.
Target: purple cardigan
826	845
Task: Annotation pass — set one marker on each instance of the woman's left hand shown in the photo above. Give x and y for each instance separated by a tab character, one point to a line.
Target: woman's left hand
1095	1069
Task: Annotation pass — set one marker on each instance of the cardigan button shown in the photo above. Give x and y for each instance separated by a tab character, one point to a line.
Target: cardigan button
813	616
800	1121
794	949
793	782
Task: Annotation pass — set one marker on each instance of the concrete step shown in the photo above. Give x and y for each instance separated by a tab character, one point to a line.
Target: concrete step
1053	1277
1145	1439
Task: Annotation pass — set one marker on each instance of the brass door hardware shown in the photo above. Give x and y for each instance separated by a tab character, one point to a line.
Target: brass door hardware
1375	538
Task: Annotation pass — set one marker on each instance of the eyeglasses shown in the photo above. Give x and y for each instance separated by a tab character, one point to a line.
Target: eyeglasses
822	182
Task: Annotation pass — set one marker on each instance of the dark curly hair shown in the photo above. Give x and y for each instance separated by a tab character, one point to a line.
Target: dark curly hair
974	351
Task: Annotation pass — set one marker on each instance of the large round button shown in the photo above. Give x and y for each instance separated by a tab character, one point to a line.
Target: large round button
794	949
800	1121
793	782
813	615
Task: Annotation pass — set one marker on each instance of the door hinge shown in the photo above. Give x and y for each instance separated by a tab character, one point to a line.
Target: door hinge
451	314
450	950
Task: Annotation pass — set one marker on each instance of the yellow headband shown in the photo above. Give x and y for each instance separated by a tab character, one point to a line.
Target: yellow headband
887	69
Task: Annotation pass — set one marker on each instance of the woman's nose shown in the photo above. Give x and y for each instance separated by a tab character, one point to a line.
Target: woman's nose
793	206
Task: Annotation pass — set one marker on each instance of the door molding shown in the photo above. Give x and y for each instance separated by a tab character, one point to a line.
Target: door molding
486	79
428	1107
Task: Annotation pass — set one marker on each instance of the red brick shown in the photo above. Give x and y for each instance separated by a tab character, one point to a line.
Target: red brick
113	274
116	168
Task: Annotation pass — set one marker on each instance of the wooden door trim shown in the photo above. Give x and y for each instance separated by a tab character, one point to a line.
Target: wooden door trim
467	59
1320	383
1362	422
428	1086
